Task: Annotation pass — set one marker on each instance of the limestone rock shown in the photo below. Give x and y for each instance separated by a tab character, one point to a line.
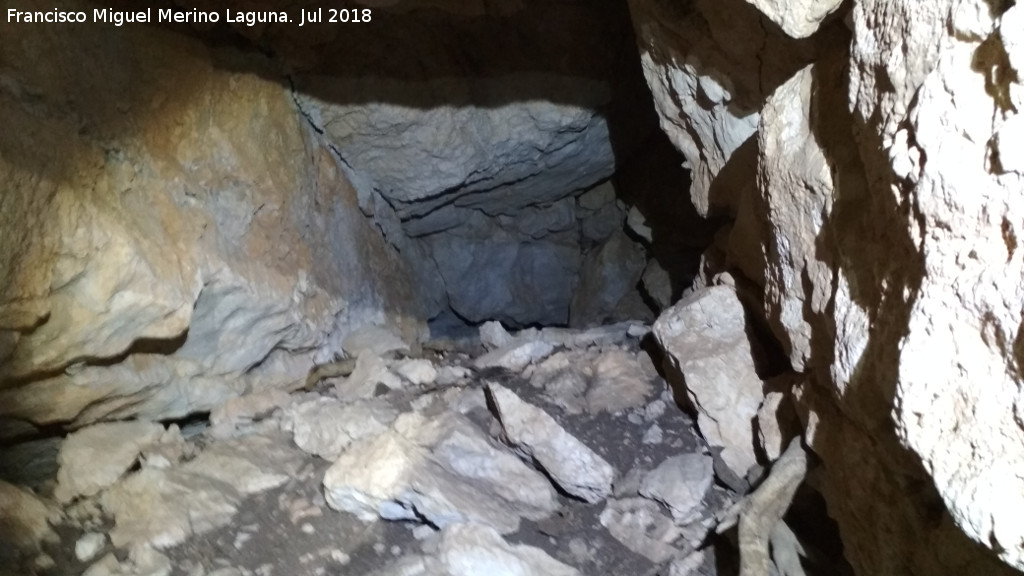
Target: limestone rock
93	458
236	415
657	284
141	561
378	340
680	482
493	335
467	549
417	371
515	356
797	188
619	382
371	370
576	468
776	424
640	525
175	225
24	523
704	338
709	67
89	545
492	273
326	427
163	507
798	18
442	469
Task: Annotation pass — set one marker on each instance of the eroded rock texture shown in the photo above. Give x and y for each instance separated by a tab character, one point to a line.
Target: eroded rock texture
875	233
215	208
173	233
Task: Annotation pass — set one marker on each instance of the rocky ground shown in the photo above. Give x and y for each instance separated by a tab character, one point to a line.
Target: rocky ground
547	452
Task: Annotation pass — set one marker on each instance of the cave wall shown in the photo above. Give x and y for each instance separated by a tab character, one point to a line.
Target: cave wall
191	212
174	233
867	155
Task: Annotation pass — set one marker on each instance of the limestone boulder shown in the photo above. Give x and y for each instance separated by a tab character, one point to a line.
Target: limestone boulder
705	340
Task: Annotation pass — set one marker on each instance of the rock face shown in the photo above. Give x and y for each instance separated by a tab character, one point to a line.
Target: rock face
197	221
471	163
876	229
175	234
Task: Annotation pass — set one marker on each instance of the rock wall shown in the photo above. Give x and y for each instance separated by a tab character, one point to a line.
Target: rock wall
173	232
195	211
867	159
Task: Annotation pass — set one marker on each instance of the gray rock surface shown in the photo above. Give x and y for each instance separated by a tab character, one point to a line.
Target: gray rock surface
681	483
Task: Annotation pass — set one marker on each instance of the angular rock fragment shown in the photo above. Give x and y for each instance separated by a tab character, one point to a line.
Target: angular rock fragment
532	432
680	482
417	371
639	524
705	339
93	458
325	427
515	356
441	469
370	371
162	508
236	415
619	383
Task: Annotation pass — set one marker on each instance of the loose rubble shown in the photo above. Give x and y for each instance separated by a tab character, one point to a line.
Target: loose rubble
550	452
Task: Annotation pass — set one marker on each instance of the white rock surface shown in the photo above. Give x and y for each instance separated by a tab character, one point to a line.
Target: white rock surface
370	371
89	545
162	508
326	427
680	482
95	457
576	468
376	340
516	355
417	371
798	18
705	339
442	469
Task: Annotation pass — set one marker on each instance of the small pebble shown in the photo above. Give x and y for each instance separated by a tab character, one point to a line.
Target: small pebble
89	545
308	528
653	435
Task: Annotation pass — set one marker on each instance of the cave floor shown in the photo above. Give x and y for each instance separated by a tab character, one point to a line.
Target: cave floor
608	397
